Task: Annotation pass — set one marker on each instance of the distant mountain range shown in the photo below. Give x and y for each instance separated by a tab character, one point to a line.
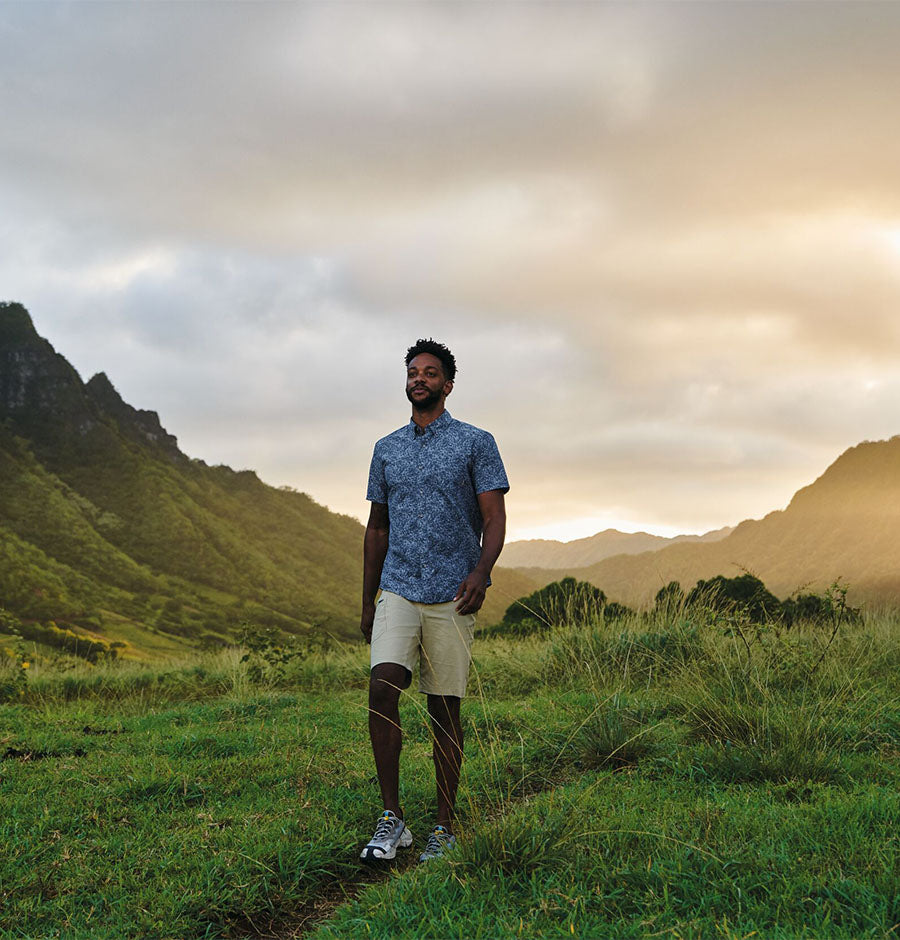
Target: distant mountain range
580	553
844	525
108	529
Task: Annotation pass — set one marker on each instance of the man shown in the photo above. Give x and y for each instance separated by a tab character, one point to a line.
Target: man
436	527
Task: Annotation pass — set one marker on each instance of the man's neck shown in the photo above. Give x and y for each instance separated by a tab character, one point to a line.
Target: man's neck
423	418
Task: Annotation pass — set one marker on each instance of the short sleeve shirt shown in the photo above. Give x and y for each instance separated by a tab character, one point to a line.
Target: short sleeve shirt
430	480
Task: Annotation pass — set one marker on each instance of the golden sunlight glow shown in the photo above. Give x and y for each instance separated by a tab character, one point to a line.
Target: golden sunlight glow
891	237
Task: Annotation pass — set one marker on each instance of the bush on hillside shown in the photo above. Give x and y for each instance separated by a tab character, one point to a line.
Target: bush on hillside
562	602
745	593
9	623
818	609
68	641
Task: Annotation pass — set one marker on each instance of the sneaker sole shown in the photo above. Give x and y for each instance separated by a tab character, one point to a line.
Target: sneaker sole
368	854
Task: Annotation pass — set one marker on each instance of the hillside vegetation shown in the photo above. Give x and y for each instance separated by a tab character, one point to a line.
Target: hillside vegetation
108	528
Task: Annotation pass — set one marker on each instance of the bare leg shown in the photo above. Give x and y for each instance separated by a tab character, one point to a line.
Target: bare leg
385	684
448	749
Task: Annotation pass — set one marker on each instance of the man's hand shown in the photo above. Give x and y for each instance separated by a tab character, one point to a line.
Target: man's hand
471	593
366	621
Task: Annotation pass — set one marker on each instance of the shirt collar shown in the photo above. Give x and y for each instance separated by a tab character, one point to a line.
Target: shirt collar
433	427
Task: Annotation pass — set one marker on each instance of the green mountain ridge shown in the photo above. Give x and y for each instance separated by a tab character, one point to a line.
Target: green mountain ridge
108	529
103	518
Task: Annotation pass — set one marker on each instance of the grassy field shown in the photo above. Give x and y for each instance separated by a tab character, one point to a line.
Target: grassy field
693	777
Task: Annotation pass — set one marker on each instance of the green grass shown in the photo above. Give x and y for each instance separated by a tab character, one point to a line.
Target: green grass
628	780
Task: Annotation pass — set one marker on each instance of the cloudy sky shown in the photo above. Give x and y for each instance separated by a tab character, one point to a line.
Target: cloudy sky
663	240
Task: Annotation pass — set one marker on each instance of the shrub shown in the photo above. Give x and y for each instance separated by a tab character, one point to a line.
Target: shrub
560	603
268	653
9	623
616	611
669	600
821	609
69	641
745	593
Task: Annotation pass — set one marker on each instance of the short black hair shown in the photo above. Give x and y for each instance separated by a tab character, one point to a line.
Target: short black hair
448	361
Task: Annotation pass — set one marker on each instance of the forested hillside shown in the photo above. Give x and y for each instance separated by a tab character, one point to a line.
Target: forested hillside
106	526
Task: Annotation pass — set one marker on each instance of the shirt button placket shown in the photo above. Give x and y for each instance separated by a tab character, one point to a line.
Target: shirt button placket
421	475
422	572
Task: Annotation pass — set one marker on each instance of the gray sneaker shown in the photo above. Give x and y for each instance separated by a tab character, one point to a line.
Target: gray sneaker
391	833
440	841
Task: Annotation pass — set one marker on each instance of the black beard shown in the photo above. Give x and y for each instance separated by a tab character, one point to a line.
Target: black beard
426	403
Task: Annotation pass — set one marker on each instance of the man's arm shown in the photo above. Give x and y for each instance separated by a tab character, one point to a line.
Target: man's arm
493	514
375	546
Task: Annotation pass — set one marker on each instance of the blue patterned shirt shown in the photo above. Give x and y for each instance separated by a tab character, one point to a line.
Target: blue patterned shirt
430	479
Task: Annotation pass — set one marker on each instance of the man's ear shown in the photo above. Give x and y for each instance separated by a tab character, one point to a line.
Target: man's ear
448	387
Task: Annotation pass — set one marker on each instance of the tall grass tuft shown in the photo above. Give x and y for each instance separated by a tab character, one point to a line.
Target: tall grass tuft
615	736
519	844
772	717
626	654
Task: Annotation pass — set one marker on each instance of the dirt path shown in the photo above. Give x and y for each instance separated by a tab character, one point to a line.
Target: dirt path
316	911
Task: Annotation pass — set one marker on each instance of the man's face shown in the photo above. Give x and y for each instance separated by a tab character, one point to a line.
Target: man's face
425	382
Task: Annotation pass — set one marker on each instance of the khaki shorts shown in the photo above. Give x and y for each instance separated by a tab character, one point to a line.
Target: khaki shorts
433	635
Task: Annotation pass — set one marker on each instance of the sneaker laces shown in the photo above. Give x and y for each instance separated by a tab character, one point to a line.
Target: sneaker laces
385	824
437	837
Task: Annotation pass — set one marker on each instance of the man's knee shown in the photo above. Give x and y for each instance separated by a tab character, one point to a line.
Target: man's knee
386	682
